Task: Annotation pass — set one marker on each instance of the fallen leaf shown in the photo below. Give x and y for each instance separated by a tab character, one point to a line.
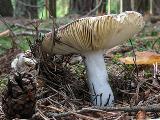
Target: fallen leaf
141	115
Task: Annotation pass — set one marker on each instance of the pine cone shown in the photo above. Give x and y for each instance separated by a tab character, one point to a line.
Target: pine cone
19	97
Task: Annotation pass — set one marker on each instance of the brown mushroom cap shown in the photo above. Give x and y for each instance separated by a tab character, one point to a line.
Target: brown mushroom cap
95	33
144	57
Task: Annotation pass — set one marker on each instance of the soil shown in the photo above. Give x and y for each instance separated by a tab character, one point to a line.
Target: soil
6	59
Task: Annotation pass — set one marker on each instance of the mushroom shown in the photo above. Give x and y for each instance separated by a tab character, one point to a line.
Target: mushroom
22	61
89	37
144	58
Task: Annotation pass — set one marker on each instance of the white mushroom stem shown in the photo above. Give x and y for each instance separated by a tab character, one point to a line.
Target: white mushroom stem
100	89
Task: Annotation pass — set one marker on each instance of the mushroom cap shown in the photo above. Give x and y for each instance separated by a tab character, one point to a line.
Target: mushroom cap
142	58
94	33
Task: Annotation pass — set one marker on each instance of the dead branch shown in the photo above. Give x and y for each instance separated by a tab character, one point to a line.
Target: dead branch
23	33
32	29
150	108
5	33
13	36
32	32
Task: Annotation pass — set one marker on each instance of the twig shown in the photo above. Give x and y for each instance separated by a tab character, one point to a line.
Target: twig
126	92
120	117
60	93
41	101
33	22
58	103
84	117
51	108
42	115
25	33
93	10
149	38
135	57
32	29
13	36
136	67
5	33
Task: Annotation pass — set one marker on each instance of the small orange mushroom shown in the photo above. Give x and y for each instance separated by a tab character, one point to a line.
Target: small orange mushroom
144	57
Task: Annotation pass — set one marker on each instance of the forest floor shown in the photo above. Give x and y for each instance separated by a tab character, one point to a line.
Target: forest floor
136	87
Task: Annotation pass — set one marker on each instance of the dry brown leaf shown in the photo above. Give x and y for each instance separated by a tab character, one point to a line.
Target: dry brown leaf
144	57
141	115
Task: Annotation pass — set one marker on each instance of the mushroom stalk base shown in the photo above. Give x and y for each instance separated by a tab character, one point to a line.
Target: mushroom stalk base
100	89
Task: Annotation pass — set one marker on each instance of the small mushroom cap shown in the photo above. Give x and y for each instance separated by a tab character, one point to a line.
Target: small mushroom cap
94	33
